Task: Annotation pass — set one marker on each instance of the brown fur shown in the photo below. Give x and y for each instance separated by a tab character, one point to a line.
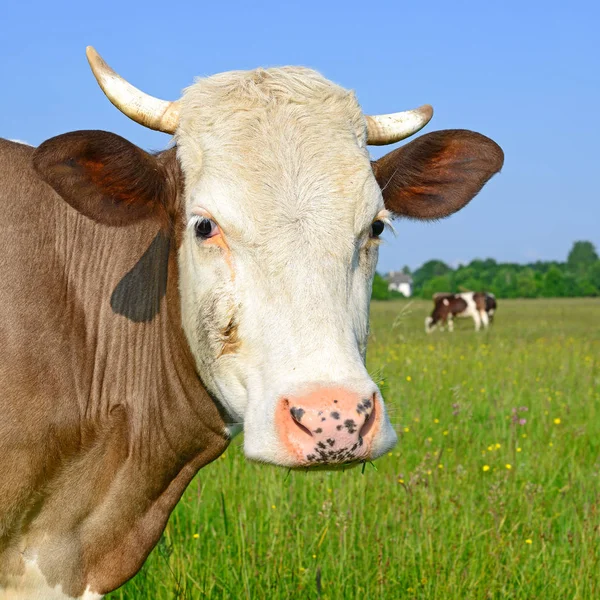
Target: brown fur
448	306
479	298
104	420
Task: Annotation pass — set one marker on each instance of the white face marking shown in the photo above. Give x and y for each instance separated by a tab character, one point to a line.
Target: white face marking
32	585
281	300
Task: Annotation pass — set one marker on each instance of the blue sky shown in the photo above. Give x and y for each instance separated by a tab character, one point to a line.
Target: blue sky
527	74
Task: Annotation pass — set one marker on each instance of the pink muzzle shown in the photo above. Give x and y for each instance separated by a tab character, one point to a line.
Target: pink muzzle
329	425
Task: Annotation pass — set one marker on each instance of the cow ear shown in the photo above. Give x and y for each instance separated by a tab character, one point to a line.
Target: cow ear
105	177
437	174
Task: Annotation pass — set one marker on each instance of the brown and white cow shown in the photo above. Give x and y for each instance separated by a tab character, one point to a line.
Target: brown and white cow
153	304
480	306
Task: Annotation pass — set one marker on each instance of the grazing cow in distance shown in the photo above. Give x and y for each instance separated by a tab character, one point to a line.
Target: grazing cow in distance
153	304
480	306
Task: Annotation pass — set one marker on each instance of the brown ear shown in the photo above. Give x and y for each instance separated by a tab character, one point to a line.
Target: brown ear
105	177
438	173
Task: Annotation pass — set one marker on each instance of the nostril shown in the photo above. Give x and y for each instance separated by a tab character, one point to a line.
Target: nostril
297	414
370	417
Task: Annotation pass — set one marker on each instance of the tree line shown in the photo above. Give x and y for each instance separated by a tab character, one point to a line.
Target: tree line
578	276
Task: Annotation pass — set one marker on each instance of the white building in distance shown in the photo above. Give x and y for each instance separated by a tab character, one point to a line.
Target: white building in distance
400	282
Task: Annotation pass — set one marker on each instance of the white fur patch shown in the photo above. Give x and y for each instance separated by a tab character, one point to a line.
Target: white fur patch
32	585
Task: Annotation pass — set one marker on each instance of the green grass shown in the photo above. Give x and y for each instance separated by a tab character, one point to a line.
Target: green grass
427	521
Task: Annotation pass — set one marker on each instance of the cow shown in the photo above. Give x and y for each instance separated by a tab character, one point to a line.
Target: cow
152	305
480	306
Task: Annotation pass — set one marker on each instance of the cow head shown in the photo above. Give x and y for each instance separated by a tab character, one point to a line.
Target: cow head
280	212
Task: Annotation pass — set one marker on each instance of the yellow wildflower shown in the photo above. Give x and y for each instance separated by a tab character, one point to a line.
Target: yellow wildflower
486	467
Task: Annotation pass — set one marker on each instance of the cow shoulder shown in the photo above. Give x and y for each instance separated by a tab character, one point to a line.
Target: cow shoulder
107	178
438	173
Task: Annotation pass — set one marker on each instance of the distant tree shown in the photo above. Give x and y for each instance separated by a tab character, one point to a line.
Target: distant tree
469	278
572	285
489	263
504	284
582	256
380	288
594	275
406	270
432	268
427	271
586	287
481	265
527	286
553	285
441	283
579	276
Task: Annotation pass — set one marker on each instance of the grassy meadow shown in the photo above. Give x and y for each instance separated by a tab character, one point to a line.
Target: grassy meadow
493	490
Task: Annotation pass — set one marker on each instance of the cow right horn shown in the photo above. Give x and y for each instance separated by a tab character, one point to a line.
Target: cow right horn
146	110
389	129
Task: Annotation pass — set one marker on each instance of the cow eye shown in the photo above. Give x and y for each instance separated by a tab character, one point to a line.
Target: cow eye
205	228
377	228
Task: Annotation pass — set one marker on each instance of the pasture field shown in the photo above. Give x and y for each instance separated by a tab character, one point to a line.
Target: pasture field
493	490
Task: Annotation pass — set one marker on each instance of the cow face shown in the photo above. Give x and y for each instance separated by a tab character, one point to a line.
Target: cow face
281	217
280	246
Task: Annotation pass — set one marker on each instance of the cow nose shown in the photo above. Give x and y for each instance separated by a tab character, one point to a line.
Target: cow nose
328	425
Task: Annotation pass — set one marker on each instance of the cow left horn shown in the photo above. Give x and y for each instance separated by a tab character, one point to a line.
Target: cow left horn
146	110
388	129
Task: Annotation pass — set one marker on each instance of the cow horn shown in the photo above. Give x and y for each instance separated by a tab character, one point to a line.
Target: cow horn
388	129
144	109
